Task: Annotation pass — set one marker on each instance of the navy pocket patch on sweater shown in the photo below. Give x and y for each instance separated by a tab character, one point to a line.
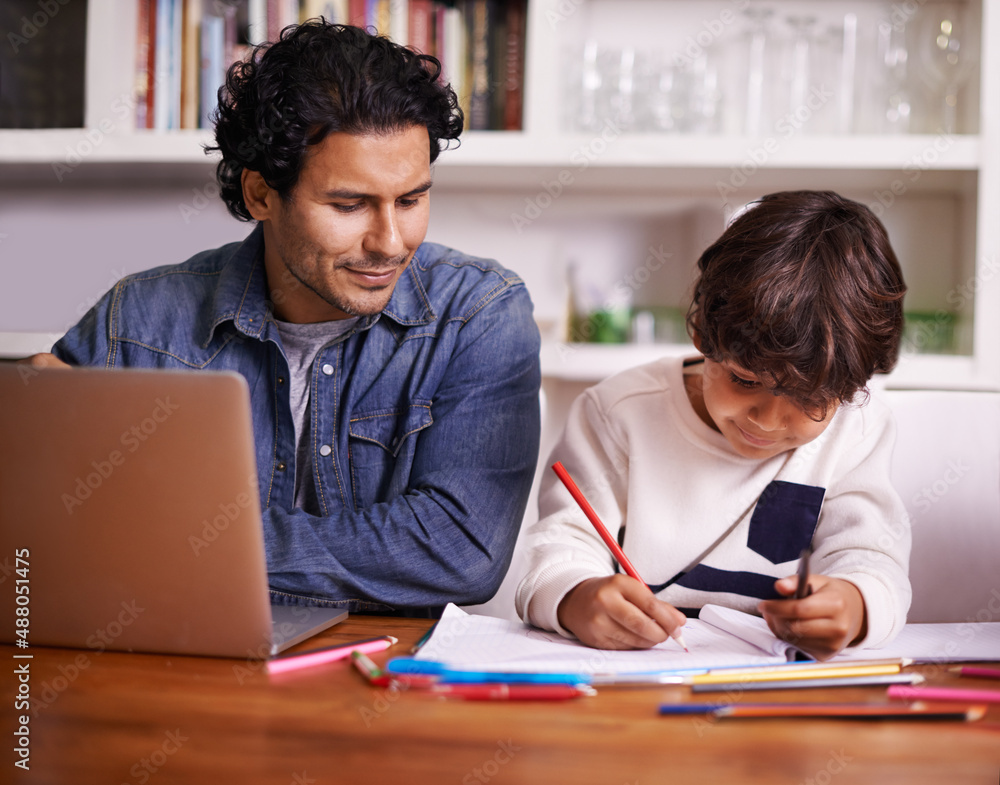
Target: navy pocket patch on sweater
784	520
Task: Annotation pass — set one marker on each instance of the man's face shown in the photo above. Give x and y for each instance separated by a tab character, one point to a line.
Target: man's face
360	209
755	421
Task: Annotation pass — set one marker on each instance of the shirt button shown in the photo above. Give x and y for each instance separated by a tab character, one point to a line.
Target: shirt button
281	466
281	380
328	369
325	450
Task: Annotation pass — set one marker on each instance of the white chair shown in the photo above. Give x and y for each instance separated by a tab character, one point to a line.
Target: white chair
946	468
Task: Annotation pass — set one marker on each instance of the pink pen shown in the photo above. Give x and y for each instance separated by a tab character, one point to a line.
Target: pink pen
905	692
307	659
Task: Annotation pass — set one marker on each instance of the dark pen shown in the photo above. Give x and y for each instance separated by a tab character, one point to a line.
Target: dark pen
803	589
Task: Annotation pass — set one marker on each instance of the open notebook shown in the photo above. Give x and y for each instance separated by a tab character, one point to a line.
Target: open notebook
720	638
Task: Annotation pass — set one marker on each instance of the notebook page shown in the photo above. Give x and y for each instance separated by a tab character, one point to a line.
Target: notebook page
746	626
484	643
945	642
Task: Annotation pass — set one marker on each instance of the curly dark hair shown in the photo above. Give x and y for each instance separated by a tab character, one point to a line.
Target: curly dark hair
804	290
321	78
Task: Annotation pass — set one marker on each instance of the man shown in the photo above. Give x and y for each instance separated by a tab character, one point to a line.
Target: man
394	383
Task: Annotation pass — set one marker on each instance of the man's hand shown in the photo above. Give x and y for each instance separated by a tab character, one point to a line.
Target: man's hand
617	612
44	360
823	623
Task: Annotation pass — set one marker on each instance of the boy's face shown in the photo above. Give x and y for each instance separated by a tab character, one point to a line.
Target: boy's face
755	421
359	211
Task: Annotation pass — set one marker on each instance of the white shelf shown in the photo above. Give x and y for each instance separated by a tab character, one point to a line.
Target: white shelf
590	363
520	149
76	146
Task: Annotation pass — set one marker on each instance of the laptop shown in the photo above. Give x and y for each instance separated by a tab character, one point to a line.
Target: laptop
129	508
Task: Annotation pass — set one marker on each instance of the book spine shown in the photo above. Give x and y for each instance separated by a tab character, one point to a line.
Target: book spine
479	60
151	63
382	18
455	57
290	14
256	22
496	59
334	11
440	17
273	11
142	72
357	13
176	61
190	63
213	65
420	22
399	21
513	83
161	68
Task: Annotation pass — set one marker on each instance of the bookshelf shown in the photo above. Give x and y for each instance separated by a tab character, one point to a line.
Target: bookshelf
618	189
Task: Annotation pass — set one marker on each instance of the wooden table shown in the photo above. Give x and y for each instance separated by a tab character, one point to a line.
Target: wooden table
113	718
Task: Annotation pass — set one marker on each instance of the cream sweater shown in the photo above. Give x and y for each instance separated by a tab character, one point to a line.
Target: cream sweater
687	501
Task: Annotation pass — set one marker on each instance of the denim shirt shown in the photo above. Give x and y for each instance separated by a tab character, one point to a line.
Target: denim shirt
425	419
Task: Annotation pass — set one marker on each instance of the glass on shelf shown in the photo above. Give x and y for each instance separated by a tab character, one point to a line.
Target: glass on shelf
751	74
594	84
702	95
797	76
664	112
947	49
782	68
885	104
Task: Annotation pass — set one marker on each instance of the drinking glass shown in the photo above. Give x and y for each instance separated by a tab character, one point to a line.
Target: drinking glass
947	51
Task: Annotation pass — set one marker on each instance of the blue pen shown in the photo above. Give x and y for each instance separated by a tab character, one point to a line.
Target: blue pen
408	666
691	708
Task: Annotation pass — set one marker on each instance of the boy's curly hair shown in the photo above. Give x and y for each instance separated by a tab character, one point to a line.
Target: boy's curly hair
317	79
804	290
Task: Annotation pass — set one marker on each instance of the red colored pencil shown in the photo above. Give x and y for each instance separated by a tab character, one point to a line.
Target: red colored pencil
575	492
513	692
602	530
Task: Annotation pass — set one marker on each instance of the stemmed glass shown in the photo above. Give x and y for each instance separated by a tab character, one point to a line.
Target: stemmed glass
948	53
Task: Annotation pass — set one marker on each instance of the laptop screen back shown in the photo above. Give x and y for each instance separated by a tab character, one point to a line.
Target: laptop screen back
131	498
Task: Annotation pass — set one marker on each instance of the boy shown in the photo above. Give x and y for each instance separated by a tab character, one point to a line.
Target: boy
715	472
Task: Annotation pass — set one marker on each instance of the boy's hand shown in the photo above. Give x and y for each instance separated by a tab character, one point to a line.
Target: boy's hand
823	623
617	612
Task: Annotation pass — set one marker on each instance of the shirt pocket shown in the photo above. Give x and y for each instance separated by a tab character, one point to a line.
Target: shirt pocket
382	445
784	520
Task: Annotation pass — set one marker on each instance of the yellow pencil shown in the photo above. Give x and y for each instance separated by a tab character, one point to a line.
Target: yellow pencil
821	672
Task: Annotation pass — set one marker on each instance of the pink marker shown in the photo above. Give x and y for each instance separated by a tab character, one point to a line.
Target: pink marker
906	692
307	659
